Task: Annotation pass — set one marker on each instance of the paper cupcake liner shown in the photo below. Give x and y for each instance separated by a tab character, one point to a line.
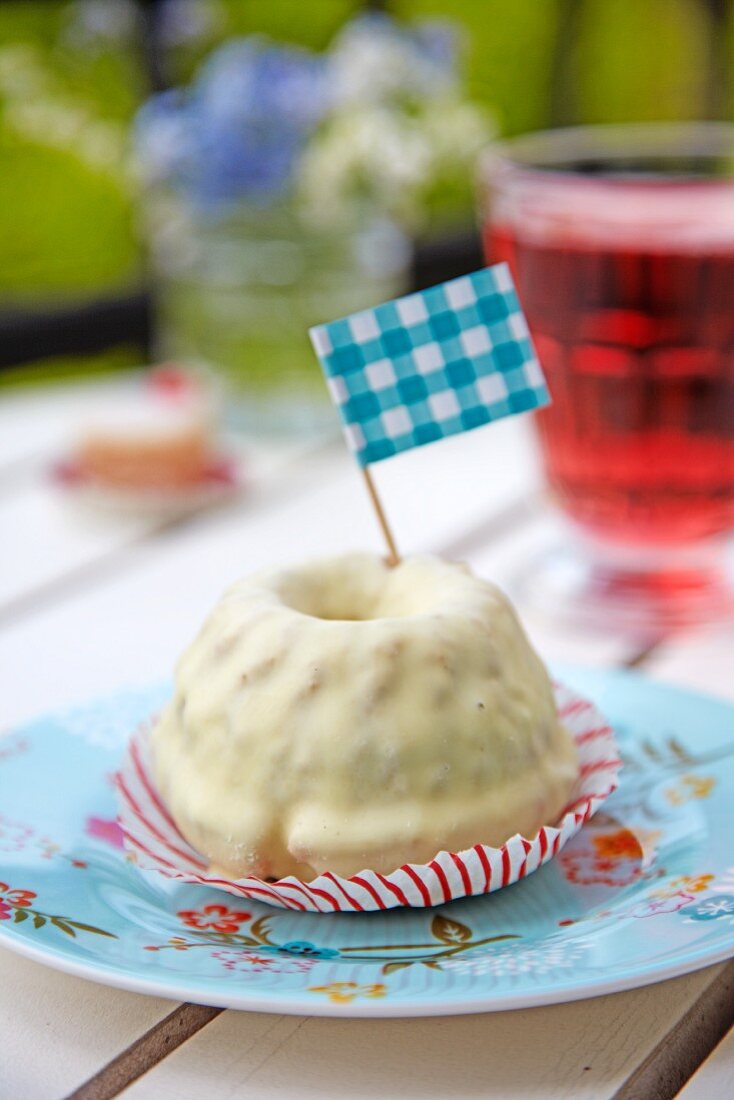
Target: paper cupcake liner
154	842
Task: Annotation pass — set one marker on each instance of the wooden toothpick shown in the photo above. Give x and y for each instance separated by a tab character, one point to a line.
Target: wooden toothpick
393	557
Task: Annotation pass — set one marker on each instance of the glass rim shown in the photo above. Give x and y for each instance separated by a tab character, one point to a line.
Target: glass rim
558	152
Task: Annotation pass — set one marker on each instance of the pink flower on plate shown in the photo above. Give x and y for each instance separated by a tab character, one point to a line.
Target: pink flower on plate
13	748
655	906
14	835
233	960
104	829
255	963
5	911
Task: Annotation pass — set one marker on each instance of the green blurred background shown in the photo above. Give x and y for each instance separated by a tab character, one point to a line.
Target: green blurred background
73	73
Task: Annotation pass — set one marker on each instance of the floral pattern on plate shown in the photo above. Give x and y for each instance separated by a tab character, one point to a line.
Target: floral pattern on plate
651	862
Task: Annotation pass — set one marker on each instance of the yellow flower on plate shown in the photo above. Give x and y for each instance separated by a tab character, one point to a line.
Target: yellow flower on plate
344	992
689	787
684	884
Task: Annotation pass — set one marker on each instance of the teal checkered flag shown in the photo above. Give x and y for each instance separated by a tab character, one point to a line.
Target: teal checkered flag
431	364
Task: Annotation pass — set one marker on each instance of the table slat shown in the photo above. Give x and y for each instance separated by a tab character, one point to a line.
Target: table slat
57	1030
586	1049
49	536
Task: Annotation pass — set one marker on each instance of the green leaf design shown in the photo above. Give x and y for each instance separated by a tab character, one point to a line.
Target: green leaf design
449	931
20	915
62	926
259	928
38	920
390	968
89	928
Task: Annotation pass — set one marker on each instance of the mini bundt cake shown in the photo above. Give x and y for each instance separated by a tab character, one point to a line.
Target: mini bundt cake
341	715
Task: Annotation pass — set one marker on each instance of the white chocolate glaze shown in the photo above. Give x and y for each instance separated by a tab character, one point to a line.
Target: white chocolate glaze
341	714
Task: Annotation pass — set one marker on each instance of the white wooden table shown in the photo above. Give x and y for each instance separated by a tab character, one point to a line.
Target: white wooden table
75	591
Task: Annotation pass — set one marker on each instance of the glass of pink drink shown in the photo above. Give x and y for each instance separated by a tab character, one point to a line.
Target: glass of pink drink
621	242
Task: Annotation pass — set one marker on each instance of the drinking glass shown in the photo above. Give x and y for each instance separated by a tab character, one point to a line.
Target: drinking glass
237	288
621	242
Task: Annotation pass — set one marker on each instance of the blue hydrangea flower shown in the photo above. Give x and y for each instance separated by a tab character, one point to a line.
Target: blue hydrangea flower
239	131
165	136
251	80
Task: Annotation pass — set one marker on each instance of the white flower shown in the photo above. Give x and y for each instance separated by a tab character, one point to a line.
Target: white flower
375	60
529	960
391	159
716	907
456	130
368	153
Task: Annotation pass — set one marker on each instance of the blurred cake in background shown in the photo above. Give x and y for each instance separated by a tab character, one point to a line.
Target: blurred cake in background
159	436
154	443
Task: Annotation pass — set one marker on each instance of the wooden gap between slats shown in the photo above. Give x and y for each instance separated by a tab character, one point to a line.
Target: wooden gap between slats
146	1052
642	655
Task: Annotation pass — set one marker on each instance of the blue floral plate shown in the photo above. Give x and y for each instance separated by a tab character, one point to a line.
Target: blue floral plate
644	892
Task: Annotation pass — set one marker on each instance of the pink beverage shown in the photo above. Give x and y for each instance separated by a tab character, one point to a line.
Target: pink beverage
625	267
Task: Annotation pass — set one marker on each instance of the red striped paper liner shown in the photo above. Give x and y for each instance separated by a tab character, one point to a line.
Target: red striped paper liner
154	842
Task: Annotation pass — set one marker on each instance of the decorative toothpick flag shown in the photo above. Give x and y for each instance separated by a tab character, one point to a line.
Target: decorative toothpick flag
430	365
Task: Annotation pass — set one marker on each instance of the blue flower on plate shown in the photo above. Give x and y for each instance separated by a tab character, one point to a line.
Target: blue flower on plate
310	950
722	905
